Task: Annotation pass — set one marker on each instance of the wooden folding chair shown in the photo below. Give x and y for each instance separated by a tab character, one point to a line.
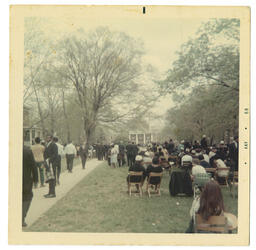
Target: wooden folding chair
234	183
140	183
156	186
210	170
226	177
165	165
186	165
174	158
215	224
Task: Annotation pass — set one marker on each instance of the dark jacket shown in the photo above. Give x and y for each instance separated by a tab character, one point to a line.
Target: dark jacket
204	143
30	174
205	164
51	152
233	152
83	152
129	149
150	168
180	182
136	167
221	154
135	150
170	147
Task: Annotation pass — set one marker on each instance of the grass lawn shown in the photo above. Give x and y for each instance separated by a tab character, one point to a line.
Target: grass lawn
100	203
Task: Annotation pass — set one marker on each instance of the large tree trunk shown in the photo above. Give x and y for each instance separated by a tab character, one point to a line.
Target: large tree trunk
39	110
65	115
52	121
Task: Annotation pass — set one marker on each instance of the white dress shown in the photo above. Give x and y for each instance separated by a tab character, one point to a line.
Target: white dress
114	154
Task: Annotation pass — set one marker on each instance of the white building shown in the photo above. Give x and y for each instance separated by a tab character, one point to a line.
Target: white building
139	137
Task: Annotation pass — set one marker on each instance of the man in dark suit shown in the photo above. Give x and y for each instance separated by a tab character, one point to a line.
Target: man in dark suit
30	176
170	147
233	154
134	152
129	154
204	142
51	161
83	152
121	160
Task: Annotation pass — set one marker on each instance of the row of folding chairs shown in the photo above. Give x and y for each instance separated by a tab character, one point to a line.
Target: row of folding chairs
149	185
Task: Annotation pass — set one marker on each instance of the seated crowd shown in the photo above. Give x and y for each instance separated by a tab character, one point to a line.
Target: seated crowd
198	160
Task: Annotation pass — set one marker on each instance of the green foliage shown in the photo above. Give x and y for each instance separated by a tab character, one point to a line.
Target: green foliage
204	82
212	58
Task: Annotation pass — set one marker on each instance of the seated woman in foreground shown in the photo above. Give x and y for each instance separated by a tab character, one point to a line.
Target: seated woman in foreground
209	203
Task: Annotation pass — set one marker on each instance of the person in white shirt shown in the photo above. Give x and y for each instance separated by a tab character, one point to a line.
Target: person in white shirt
206	157
197	168
70	152
221	164
58	162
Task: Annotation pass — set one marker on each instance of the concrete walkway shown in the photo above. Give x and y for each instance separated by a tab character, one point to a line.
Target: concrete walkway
40	204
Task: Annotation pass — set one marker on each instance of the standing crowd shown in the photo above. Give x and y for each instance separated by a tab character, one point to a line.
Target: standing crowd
42	163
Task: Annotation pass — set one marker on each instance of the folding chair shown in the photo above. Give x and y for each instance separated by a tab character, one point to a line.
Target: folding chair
139	183
215	224
165	164
211	171
174	159
226	176
186	165
151	176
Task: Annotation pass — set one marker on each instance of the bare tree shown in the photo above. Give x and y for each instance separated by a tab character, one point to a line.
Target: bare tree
101	67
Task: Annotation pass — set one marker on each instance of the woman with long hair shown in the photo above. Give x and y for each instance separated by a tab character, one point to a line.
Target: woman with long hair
209	203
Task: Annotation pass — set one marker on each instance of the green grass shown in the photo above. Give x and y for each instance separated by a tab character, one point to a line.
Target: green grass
100	203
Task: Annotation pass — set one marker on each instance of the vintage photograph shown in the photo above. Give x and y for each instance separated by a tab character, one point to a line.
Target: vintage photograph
131	120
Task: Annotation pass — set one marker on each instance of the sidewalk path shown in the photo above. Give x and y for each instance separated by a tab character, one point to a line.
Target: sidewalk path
40	204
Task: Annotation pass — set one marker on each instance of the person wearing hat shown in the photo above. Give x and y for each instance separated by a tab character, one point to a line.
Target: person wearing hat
137	167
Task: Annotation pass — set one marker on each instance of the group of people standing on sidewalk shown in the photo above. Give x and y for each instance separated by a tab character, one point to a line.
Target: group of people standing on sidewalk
43	161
